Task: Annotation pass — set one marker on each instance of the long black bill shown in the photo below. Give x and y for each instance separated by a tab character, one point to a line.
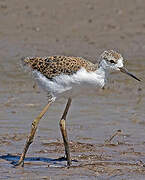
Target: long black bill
128	73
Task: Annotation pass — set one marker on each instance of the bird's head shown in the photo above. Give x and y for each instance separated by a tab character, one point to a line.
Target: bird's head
110	60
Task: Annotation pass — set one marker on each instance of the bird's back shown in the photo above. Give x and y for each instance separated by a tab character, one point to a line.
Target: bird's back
53	66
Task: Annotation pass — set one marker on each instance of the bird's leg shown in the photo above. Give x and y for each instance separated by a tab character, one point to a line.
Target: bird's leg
32	133
64	132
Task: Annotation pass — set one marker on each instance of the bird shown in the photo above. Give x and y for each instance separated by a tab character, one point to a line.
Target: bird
64	76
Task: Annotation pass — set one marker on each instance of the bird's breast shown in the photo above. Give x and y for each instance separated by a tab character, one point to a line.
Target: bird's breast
71	85
80	82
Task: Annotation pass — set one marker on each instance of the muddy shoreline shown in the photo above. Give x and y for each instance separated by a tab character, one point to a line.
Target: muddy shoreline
75	28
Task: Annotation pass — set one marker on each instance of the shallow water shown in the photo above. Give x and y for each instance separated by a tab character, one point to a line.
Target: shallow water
92	119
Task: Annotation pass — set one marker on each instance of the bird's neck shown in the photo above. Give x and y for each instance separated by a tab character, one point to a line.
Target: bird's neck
103	72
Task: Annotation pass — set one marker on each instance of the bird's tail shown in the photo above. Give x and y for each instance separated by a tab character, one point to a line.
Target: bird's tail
26	63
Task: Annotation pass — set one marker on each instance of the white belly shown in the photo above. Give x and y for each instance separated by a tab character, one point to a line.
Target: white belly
81	82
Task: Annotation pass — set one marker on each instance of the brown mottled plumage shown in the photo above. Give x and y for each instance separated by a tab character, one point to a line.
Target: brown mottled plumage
52	66
111	55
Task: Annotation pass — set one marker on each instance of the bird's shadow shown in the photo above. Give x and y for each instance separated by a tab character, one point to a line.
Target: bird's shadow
15	158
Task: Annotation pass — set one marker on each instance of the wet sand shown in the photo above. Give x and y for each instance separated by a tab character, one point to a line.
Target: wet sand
79	28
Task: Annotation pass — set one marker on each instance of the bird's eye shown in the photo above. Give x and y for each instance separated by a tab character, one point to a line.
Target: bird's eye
112	61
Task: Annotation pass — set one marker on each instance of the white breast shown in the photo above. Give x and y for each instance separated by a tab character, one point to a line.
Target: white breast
70	84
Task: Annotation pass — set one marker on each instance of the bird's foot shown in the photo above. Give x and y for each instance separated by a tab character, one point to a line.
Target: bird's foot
18	163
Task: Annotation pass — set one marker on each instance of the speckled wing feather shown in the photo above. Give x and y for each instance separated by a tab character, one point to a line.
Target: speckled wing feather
53	66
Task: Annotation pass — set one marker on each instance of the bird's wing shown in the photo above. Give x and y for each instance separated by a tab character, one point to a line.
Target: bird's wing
53	66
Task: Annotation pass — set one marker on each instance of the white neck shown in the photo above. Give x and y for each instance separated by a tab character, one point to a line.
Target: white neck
103	72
